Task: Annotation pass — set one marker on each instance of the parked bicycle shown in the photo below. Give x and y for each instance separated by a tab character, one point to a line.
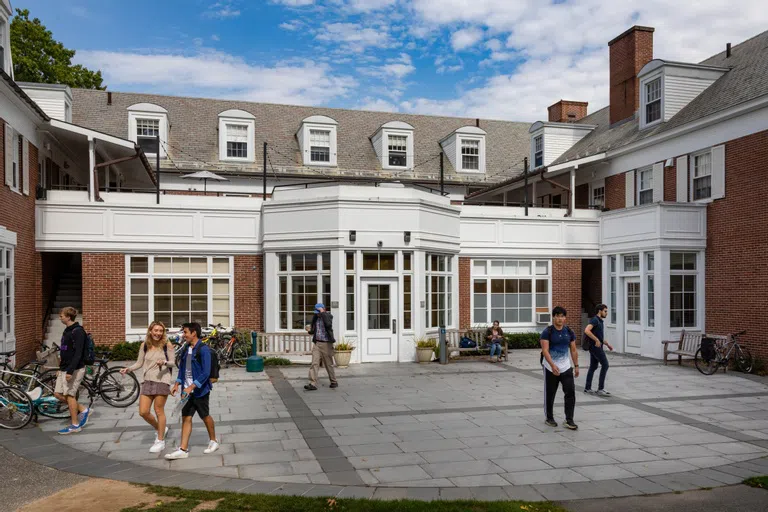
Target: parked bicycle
22	403
716	353
230	349
35	368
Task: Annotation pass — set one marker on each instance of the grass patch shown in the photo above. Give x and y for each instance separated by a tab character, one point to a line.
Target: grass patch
229	502
276	361
757	481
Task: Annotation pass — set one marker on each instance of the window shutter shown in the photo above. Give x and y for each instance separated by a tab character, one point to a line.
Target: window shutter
630	188
682	179
718	172
658	182
8	155
25	165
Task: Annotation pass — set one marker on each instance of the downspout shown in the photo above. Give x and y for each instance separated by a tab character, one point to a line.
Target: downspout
557	185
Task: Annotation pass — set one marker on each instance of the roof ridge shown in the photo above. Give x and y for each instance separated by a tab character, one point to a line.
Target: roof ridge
733	47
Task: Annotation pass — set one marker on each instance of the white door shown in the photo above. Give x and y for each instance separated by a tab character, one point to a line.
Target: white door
380	325
632	316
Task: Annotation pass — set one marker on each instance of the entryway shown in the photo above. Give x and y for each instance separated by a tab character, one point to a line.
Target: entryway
633	326
380	325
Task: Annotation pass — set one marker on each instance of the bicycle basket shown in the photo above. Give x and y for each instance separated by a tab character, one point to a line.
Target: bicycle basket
708	349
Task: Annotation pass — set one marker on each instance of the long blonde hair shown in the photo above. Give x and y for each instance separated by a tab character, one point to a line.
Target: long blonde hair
150	342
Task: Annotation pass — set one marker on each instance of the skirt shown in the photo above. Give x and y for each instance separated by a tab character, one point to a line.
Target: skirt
152	388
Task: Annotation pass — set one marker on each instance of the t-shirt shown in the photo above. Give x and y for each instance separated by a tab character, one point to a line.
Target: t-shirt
188	380
597	328
321	334
559	347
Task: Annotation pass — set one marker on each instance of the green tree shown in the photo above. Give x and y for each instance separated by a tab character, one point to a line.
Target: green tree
38	57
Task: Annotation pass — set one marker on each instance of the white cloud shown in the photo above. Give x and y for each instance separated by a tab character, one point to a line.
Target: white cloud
354	36
215	74
448	64
466	38
214	37
222	9
391	74
294	3
291	25
377	104
368	5
494	45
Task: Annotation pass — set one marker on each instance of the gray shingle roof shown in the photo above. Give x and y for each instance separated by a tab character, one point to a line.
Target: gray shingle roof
746	80
193	136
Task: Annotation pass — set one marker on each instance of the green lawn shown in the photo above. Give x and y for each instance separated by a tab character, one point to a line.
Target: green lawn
758	481
230	502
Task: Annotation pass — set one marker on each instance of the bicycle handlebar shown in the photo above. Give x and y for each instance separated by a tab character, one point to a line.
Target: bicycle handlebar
740	333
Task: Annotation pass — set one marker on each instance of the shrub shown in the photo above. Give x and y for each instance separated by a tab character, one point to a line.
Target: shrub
125	351
523	340
276	361
425	343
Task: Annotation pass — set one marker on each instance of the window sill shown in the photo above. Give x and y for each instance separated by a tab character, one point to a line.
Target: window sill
470	171
396	168
237	160
703	201
15	190
319	164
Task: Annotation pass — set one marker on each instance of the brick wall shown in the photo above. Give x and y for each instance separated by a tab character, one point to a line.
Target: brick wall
737	238
17	214
670	182
249	292
615	192
629	52
565	111
465	289
566	288
104	296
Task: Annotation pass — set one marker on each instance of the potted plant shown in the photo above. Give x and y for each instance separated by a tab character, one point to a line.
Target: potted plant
425	348
343	353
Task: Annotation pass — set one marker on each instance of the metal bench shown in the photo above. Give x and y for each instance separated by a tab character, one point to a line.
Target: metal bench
687	345
478	336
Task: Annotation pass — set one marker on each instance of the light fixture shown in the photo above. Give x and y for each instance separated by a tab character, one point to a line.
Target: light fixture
352	235
407	237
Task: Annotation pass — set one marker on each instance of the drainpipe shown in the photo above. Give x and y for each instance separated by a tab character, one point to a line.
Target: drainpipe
557	185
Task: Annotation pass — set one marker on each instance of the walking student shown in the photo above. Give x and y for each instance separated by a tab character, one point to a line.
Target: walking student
557	342
321	330
72	370
194	375
156	360
494	335
595	331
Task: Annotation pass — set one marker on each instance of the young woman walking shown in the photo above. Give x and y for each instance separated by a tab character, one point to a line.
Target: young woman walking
157	360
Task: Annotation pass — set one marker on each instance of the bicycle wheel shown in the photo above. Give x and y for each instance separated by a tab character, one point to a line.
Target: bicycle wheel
707	368
743	359
50	406
119	390
16	409
240	353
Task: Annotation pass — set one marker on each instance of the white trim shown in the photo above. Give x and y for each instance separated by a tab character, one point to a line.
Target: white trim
481	153
644	82
132	135
235	113
322	123
250	124
576	163
408	149
690	176
594	185
147	107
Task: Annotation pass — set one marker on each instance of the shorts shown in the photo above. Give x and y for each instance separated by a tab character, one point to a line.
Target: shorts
68	388
199	404
152	388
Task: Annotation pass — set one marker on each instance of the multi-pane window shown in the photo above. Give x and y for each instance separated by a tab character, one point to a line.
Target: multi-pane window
379	310
378	261
147	131
175	290
407	290
598	197
398	150
632	263
651	283
702	176
470	154
538	151
653	101
237	140
510	291
612	286
645	186
6	292
304	280
320	145
349	284
682	289
439	290
633	302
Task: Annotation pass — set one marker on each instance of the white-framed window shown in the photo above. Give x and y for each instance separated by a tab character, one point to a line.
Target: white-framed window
701	175
652	93
179	289
397	150
16	151
237	136
320	146
304	280
407	291
682	289
145	122
237	140
612	287
511	291
538	151
379	261
349	288
470	154
597	193
7	292
632	262
439	290
645	185
651	288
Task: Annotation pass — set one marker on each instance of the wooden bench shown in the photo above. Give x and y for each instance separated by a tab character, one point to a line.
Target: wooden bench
278	344
478	336
687	345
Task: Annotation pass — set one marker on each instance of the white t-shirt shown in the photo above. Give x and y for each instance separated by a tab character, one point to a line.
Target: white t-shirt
188	380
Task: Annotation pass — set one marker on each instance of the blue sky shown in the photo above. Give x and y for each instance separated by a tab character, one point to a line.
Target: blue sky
502	59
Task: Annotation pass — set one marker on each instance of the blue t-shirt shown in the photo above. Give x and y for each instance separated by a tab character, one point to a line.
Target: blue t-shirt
597	328
559	346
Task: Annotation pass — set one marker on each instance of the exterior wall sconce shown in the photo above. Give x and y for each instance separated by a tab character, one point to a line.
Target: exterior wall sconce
352	236
407	237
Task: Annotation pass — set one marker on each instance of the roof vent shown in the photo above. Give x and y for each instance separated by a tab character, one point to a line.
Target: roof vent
728	50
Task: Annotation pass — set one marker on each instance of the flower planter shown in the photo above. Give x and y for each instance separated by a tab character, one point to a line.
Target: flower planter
425	354
342	358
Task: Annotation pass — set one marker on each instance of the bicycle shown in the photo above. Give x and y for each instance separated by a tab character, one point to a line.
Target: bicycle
107	382
8	374
21	404
714	354
228	347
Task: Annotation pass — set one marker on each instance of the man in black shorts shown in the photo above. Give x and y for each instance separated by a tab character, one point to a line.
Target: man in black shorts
194	375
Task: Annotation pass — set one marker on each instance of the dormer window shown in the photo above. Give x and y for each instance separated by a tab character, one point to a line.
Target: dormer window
317	141
653	101
465	149
398	150
470	155
320	146
147	131
393	143
538	151
236	136
145	122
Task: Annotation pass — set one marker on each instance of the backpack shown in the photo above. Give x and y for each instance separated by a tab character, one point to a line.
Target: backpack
467	343
89	351
215	367
586	342
165	351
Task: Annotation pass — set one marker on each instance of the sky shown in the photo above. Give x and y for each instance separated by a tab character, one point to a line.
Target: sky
494	59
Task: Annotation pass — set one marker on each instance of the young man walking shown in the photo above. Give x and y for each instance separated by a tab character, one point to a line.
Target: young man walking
557	341
321	330
595	331
72	370
194	375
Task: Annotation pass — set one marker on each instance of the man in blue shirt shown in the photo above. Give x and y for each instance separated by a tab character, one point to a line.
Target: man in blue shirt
557	342
595	331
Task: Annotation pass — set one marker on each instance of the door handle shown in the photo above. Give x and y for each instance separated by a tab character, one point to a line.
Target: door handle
394	326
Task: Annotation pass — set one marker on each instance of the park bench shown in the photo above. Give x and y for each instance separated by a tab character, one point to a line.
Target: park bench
283	344
478	336
687	345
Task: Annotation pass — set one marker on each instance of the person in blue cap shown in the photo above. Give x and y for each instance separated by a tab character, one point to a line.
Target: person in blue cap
321	330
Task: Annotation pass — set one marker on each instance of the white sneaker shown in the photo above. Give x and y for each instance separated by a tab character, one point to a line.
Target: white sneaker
178	454
165	435
212	447
157	447
602	392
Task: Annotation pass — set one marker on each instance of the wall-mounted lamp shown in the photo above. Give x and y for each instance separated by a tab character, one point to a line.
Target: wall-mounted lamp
352	236
407	237
668	163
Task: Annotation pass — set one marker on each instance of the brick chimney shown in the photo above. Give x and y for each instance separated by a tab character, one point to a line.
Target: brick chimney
628	54
565	111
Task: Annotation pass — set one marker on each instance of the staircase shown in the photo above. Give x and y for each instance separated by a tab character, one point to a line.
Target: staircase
69	292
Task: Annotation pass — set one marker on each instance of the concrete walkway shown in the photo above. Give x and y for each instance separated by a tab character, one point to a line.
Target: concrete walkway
465	430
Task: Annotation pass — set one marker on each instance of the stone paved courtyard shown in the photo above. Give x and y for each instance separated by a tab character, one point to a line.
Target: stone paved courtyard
467	429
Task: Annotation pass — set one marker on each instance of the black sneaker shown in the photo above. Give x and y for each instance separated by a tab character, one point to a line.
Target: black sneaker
551	423
310	387
570	425
334	385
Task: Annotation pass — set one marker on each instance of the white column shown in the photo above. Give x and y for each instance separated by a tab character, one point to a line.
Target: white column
662	299
337	293
573	189
271	293
91	166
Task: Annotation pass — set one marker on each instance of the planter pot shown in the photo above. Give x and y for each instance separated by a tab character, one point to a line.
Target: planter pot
342	358
425	354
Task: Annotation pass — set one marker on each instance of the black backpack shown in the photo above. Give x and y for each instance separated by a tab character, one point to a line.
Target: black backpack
89	351
215	367
165	351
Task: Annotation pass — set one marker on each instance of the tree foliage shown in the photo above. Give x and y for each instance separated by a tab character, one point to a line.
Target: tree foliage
39	58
